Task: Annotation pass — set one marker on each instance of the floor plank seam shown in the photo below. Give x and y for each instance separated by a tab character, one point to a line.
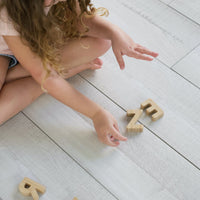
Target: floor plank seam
126	6
171	68
168	5
142	124
186	79
171	2
68	155
184	55
149	20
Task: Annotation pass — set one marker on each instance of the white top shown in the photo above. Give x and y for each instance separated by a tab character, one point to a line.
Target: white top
7	28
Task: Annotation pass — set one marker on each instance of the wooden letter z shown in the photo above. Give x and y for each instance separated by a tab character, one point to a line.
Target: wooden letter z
136	115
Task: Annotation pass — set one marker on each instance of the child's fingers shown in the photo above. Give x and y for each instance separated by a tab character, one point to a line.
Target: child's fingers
120	59
116	126
117	135
139	56
109	141
106	140
114	140
144	50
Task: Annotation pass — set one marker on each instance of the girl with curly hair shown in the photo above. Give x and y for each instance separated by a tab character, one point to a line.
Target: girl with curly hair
44	42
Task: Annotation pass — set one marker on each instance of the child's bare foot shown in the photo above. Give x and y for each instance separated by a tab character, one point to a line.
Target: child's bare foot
95	64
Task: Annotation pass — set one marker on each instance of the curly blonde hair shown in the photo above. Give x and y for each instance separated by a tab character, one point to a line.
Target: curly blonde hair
46	35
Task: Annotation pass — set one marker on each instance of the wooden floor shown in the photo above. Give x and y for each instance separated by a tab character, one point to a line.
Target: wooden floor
58	147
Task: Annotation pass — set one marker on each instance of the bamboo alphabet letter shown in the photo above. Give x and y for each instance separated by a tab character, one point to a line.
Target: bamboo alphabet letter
136	115
29	187
152	108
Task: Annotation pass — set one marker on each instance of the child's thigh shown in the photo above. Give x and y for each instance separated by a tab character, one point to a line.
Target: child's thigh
4	62
73	54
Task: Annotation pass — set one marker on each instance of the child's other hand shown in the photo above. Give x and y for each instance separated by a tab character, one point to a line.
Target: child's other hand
107	128
122	44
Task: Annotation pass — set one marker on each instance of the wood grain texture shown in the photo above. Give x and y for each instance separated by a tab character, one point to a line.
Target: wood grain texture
189	67
155	26
61	150
25	151
29	187
125	170
167	1
188	8
151	108
141	80
132	126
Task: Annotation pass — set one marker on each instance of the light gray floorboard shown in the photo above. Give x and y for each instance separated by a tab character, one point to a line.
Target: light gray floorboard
60	149
144	167
177	97
25	151
167	1
189	67
156	26
188	8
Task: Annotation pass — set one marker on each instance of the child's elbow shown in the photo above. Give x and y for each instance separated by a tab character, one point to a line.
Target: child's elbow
40	76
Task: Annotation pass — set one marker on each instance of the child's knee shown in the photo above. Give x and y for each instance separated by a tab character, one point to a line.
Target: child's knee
104	44
1	84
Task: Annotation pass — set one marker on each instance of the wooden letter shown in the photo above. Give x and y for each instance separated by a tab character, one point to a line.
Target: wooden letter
30	188
132	126
152	108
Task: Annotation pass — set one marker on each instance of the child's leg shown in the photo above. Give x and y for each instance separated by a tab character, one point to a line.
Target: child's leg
12	101
90	65
73	56
19	72
4	62
16	95
15	73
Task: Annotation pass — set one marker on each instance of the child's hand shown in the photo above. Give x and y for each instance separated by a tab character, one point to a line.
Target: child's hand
107	128
122	44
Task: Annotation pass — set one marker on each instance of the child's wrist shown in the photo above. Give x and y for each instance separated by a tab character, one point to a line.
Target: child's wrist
114	28
96	112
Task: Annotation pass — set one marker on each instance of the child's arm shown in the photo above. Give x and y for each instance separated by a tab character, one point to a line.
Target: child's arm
98	26
60	89
55	85
122	43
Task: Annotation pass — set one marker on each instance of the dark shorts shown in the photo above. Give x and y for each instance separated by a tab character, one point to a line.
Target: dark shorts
13	60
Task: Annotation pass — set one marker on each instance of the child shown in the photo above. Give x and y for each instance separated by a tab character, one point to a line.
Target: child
44	42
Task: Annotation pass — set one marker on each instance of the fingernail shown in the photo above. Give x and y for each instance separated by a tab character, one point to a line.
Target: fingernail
156	54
